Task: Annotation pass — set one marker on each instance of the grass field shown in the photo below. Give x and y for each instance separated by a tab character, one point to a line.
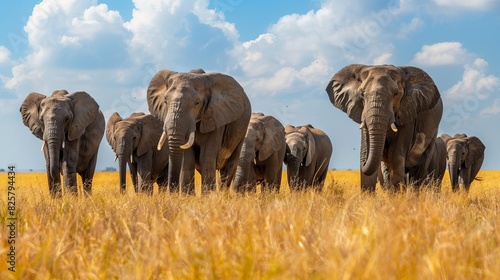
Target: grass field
337	234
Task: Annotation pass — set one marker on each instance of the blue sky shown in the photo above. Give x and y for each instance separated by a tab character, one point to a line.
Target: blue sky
283	54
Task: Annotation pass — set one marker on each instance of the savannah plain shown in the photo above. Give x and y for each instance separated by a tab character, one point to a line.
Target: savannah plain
339	233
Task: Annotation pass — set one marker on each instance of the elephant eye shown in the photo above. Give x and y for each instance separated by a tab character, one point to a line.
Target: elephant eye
197	103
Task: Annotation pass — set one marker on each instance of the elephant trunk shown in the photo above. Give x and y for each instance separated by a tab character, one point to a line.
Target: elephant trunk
373	139
454	166
181	136
174	165
54	147
293	167
123	152
247	156
122	166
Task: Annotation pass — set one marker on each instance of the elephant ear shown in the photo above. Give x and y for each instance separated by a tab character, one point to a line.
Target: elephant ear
460	136
445	138
30	112
227	102
420	94
152	129
156	93
344	93
311	149
274	138
289	129
476	151
110	129
85	110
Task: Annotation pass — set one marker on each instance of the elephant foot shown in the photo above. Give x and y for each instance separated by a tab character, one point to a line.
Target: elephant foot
189	189
55	190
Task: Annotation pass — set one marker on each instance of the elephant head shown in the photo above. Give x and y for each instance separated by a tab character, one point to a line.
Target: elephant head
57	119
465	156
132	137
265	136
381	99
190	103
300	149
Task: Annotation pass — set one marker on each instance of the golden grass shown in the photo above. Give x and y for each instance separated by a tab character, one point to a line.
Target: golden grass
337	234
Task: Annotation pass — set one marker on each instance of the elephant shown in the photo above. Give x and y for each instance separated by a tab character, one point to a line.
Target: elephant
206	116
308	153
399	110
262	155
465	156
435	171
71	127
437	165
134	140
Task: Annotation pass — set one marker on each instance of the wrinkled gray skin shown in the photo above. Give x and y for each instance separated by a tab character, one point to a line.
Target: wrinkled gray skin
262	155
399	110
465	156
71	127
308	154
436	169
205	121
134	140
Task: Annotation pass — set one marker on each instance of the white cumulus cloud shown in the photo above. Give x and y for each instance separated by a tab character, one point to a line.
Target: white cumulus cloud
445	53
4	55
467	4
475	82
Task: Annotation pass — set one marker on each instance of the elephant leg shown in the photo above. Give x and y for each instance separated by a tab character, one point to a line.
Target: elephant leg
208	159
162	180
187	172
144	166
228	171
133	176
272	176
320	181
384	176
464	178
69	162
88	175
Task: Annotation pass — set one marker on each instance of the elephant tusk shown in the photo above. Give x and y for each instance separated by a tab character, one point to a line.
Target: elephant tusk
162	140
43	146
131	158
394	127
362	125
189	142
116	157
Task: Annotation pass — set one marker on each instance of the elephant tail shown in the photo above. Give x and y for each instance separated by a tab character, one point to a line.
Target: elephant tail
478	179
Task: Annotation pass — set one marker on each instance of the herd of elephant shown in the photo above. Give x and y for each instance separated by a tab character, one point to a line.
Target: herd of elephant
204	121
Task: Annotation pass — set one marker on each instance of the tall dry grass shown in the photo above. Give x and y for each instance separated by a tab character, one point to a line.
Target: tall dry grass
337	234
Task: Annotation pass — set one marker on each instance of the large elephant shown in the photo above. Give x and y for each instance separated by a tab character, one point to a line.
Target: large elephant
71	127
465	156
262	154
308	153
205	120
134	140
399	110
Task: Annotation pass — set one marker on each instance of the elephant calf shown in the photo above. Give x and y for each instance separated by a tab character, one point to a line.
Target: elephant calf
307	156
71	126
465	157
134	140
262	154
